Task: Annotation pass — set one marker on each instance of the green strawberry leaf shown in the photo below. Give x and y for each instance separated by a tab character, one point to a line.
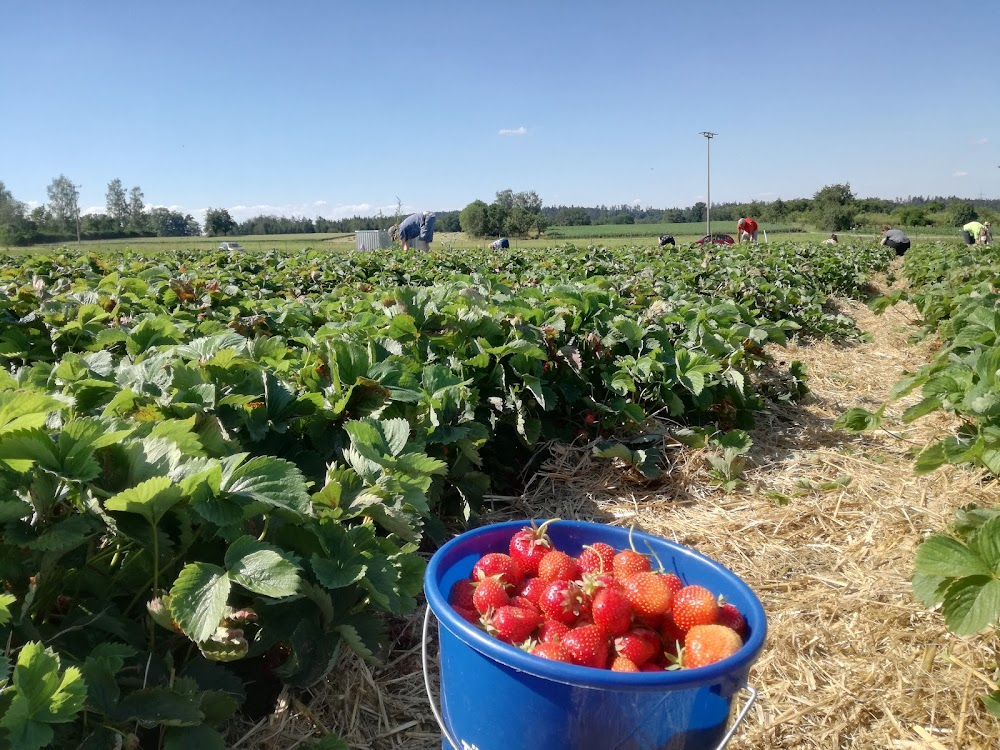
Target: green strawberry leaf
272	482
199	736
941	555
150	499
262	568
972	604
198	599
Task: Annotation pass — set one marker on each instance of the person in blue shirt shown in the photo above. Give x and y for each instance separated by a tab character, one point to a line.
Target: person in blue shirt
416	228
502	243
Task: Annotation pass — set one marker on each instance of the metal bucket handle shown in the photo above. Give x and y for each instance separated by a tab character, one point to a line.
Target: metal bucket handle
751	697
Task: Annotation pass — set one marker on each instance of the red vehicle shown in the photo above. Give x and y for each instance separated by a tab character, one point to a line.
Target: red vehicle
716	238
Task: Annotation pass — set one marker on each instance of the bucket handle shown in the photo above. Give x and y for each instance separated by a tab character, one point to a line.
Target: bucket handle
751	697
427	683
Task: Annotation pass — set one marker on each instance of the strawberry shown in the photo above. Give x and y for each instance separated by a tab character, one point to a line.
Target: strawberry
588	645
694	605
671	635
707	644
498	565
650	667
627	562
673	581
596	558
529	545
623	664
524	603
636	647
531	589
648	594
557	566
468	614
512	624
490	594
611	611
561	601
461	594
553	650
731	617
552	630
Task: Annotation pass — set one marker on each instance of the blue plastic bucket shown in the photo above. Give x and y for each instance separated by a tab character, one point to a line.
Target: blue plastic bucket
494	696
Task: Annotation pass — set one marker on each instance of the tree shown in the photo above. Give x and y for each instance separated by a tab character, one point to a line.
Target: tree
136	210
839	195
218	222
167	223
572	217
696	213
117	203
834	208
962	212
473	219
15	227
518	222
64	202
529	201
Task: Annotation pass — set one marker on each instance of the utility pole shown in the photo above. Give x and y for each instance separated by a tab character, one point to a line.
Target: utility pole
708	200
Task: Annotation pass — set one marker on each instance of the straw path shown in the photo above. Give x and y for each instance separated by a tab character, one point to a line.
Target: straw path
824	529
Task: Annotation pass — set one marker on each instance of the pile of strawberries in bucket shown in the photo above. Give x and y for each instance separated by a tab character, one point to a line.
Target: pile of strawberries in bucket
604	608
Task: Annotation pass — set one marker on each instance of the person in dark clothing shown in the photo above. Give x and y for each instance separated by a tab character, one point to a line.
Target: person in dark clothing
895	239
667	239
417	227
501	244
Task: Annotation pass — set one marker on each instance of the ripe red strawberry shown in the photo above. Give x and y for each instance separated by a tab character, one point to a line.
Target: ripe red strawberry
627	562
589	646
694	605
562	601
512	624
648	594
596	558
461	594
531	589
552	630
468	614
529	545
671	636
611	611
731	617
498	565
707	644
650	667
673	581
636	647
553	650
557	566
623	664
524	603
490	594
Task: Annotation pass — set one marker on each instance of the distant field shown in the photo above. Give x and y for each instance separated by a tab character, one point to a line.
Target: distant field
611	234
654	230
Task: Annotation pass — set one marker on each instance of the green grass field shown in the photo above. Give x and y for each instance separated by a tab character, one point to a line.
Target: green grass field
613	234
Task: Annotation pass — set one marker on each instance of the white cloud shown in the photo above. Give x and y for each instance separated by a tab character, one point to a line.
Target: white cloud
960	174
981	142
513	131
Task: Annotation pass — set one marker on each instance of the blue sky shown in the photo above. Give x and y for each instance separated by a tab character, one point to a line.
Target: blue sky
334	108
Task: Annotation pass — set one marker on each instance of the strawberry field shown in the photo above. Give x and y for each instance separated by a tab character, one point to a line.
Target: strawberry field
222	471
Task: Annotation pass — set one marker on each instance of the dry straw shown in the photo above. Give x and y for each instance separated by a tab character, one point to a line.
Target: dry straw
824	529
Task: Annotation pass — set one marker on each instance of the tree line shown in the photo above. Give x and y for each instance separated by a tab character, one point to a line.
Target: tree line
516	214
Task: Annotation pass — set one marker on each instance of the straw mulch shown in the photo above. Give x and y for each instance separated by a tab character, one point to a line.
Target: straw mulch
824	529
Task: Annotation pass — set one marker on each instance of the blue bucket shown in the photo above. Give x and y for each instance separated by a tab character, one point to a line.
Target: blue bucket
494	695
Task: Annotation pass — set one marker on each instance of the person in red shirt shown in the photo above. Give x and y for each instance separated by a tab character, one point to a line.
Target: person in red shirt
746	229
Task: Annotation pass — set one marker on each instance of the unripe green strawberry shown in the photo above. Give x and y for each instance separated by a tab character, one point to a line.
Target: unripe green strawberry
628	562
707	644
694	605
558	566
589	646
648	593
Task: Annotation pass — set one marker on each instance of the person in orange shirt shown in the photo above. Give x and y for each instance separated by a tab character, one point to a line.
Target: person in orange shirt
746	229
